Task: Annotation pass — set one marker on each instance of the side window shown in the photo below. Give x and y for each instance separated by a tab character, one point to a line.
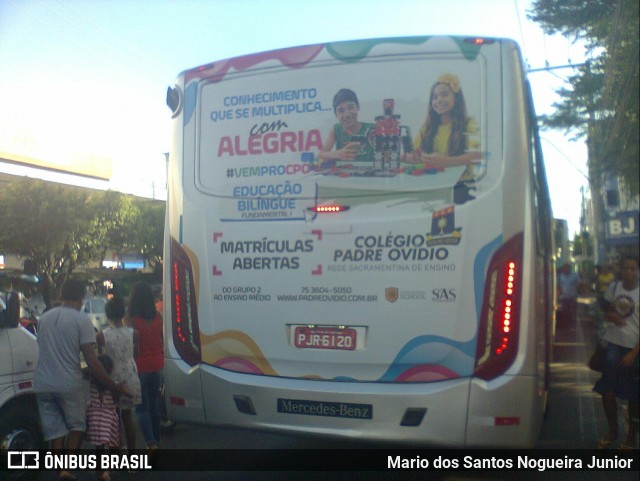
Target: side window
541	207
613	198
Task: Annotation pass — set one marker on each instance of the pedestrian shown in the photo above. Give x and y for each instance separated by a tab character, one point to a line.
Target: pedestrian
604	278
159	302
149	359
569	286
103	423
63	334
120	342
166	424
620	368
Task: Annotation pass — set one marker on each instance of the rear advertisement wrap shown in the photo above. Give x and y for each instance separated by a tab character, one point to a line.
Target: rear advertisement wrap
339	196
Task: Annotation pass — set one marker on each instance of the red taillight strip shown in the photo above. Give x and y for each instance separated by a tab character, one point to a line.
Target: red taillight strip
185	329
499	320
177	302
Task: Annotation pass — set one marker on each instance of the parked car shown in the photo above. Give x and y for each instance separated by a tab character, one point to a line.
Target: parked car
19	420
94	308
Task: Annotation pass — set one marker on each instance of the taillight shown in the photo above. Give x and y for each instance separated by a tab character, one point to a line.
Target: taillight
328	208
479	40
500	317
184	311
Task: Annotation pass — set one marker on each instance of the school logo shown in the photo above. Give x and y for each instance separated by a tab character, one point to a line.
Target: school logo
412	295
391	294
443	228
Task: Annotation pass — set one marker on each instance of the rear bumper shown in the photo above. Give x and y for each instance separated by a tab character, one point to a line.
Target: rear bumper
372	411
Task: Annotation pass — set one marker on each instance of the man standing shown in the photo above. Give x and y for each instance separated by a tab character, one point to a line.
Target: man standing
569	284
63	333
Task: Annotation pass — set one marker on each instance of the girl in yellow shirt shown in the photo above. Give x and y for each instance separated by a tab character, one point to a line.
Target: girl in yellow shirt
448	136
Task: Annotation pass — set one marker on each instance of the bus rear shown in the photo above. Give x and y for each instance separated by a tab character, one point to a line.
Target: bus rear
329	274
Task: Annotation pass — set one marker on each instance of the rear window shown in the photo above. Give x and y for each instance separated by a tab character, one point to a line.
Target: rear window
279	141
95	306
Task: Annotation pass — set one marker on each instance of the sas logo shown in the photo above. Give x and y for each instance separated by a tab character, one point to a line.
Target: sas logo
443	295
443	228
391	294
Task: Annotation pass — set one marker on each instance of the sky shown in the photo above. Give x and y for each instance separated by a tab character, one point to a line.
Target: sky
86	79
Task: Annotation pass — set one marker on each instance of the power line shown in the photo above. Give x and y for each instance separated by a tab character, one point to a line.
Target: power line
566	158
549	68
522	37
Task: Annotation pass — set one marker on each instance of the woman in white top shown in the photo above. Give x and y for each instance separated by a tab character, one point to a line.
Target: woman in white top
120	342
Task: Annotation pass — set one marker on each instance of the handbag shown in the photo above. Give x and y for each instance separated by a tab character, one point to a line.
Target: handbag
596	360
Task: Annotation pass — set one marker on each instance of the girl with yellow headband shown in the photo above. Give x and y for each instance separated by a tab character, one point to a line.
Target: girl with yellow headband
448	136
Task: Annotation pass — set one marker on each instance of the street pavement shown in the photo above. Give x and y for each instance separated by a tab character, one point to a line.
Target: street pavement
574	418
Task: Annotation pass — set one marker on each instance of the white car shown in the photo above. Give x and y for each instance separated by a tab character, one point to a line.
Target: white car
94	308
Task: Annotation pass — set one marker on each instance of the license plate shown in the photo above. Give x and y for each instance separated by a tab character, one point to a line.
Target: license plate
325	338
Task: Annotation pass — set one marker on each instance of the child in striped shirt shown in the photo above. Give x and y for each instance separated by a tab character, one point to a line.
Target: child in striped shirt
103	423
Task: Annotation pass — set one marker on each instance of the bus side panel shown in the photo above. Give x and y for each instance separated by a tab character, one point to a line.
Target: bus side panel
183	383
507	411
506	394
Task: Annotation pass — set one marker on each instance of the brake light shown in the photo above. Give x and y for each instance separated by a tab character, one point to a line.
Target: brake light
329	208
500	317
479	40
184	312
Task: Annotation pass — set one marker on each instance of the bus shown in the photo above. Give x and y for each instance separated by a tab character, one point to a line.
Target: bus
331	272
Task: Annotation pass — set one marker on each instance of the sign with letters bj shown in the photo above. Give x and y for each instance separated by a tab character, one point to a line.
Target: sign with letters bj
623	227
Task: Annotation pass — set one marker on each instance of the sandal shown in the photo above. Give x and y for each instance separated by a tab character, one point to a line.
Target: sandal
104	476
605	442
64	476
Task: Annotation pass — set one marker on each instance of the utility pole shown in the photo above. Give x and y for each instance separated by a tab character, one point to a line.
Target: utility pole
595	179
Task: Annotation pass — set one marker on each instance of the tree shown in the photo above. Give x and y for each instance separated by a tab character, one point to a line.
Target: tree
112	224
61	227
42	221
149	233
582	244
602	101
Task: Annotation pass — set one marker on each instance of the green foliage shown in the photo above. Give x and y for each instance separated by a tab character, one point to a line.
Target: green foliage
582	244
42	221
602	102
112	224
61	227
576	19
148	233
